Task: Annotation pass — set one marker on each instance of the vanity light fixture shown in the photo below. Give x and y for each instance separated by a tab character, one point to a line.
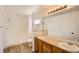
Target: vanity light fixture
58	9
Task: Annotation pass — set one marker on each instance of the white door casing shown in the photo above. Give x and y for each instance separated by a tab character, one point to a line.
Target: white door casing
3	31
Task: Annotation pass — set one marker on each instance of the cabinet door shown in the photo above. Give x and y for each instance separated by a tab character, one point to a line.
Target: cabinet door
39	43
35	44
56	50
46	48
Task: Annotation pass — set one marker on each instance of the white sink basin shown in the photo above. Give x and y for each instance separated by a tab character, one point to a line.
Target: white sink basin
68	46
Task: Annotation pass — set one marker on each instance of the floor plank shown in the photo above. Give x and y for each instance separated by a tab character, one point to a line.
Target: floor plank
22	48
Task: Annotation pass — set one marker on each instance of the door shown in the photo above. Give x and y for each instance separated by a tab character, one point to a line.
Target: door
3	31
1	38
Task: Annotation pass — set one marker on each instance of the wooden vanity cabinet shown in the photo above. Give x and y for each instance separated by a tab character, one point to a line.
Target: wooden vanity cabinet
40	46
44	47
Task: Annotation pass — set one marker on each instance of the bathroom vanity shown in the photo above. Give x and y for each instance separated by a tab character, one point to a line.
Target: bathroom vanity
45	47
46	44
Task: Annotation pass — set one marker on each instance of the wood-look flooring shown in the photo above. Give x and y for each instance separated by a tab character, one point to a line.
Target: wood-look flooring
22	48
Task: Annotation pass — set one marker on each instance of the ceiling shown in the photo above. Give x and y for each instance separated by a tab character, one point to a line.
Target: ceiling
21	9
27	9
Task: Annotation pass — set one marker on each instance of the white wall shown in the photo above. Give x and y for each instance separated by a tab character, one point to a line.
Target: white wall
63	25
